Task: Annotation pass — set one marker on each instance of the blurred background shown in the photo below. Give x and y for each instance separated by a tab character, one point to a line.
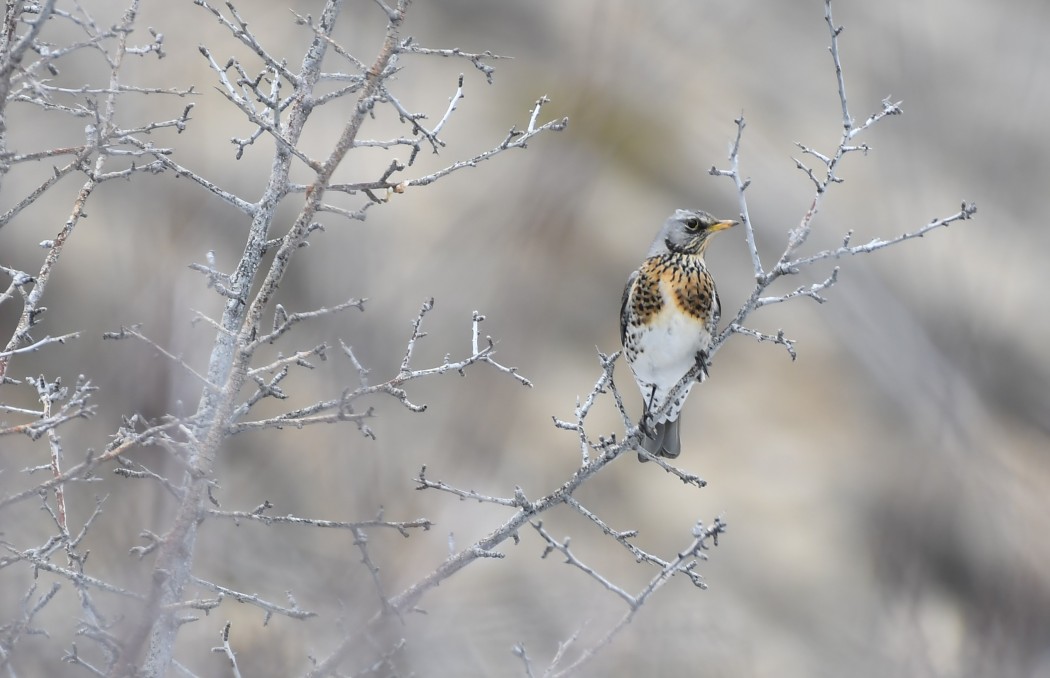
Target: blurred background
887	493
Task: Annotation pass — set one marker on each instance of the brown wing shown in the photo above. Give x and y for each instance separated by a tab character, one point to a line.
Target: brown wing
623	306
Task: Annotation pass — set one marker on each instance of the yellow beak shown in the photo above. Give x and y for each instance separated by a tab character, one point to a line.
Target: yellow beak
723	225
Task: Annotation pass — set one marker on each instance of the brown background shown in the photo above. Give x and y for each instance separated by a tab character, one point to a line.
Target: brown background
886	494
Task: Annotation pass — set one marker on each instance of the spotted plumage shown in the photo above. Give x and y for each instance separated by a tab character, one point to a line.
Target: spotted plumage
670	308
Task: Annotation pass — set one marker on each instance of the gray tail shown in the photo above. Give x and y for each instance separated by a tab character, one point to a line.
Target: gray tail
666	442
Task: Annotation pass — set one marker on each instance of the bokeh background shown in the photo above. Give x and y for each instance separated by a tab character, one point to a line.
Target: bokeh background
887	493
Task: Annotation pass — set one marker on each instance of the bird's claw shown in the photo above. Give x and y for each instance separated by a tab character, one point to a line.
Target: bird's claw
646	427
703	363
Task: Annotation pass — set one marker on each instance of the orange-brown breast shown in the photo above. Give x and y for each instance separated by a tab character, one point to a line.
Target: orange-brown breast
685	278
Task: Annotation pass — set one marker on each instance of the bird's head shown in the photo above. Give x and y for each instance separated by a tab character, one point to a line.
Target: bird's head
688	231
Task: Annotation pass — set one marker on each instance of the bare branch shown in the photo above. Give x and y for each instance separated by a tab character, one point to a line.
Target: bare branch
684	563
424	483
847	121
519	652
402	527
778	338
563	547
451	107
514	139
227	650
229	198
966	212
361	542
37	192
789	263
741	185
271	608
126	332
478	60
289	320
239	29
78	578
812	291
37	345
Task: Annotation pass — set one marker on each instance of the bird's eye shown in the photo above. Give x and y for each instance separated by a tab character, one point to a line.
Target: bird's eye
692	224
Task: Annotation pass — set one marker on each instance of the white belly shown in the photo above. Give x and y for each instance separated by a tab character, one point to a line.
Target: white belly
666	352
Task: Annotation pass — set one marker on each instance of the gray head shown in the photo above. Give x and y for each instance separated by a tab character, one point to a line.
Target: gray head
688	232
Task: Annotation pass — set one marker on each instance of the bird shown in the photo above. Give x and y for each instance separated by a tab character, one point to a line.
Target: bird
669	312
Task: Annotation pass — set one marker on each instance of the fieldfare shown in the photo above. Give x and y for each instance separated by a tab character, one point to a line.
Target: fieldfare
670	309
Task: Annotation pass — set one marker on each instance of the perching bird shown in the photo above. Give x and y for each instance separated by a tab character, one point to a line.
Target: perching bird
670	309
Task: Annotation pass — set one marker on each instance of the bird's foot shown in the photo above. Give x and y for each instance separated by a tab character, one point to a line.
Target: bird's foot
646	427
703	363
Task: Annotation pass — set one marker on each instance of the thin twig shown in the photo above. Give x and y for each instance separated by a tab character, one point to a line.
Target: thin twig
252	599
227	650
